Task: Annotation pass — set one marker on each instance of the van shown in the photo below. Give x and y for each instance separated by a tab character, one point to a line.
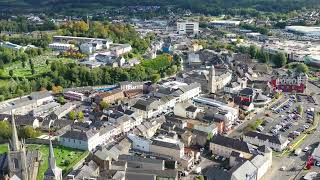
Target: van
197	170
297	152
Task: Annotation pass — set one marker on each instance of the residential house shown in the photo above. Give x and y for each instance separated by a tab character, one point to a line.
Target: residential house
178	122
149	127
121	49
140	143
172	149
245	170
26	104
64	110
61	46
208	127
109	97
134	162
45	109
89	170
277	143
186	110
85	140
149	107
224	146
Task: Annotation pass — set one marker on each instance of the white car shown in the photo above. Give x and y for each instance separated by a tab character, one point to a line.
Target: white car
306	149
318	164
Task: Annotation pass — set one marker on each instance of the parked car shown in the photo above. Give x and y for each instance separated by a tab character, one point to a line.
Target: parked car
306	149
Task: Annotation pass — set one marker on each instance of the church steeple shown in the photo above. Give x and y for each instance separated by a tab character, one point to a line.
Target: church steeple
15	144
52	160
53	172
17	159
212	85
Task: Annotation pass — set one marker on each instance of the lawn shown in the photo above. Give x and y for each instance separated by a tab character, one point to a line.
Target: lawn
3	148
62	154
39	64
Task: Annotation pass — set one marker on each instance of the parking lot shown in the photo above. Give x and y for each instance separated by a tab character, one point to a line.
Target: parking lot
285	118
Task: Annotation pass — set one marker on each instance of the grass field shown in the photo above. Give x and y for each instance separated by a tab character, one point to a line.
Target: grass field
39	64
3	148
62	154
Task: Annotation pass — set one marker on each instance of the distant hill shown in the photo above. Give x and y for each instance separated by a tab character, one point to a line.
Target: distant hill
206	6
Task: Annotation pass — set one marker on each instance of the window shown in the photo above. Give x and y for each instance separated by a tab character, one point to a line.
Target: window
15	163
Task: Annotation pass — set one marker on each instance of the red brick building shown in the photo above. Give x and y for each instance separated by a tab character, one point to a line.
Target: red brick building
294	84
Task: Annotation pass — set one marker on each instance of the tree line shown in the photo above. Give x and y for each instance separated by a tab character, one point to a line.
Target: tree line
75	75
119	33
279	59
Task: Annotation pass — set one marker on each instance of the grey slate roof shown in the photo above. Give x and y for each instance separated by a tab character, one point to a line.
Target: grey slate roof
132	158
79	135
264	137
231	143
166	144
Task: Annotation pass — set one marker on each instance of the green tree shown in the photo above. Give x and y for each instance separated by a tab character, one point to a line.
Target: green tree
5	127
11	72
1	64
33	71
29	132
280	59
80	116
47	62
20	92
72	115
155	78
253	51
264	57
2	98
302	68
61	100
300	109
103	105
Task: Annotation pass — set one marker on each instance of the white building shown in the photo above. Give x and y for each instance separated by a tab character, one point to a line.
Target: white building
304	30
25	104
186	110
127	85
225	23
194	58
187	92
228	112
107	132
277	143
187	27
149	108
10	45
60	46
262	161
85	140
64	109
93	46
121	49
316	153
46	108
140	143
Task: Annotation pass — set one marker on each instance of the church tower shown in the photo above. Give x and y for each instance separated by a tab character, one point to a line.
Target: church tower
17	161
212	84
53	172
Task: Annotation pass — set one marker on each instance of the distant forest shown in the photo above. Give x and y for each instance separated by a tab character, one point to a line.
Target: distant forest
205	6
